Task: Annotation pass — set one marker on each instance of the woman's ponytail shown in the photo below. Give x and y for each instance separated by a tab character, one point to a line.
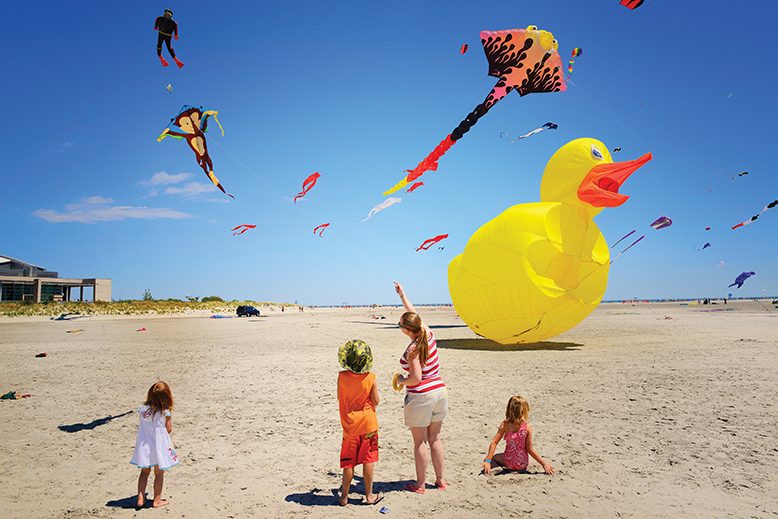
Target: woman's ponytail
412	322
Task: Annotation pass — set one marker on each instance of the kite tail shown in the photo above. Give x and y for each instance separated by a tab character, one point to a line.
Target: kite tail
218	184
430	163
623	237
632	245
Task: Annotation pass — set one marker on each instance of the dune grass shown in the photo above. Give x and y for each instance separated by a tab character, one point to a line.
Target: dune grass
128	307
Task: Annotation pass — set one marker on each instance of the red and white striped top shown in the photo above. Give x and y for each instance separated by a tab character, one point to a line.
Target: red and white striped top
430	373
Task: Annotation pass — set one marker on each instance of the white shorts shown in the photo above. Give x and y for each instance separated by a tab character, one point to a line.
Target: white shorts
421	409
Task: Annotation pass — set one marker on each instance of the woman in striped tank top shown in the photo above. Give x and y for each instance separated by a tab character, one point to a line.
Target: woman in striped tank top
426	398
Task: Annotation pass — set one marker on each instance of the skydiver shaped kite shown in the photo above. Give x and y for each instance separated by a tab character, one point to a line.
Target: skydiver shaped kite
167	28
194	122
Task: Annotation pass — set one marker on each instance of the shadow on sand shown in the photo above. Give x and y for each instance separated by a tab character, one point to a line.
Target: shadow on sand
487	345
76	427
128	503
319	497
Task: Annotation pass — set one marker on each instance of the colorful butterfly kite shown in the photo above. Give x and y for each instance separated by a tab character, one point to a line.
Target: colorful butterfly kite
193	122
576	52
524	60
414	187
243	228
389	202
322	227
431	241
756	216
463	48
742	279
631	4
547	126
307	185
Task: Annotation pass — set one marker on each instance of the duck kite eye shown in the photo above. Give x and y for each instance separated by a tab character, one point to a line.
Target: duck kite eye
596	153
532	27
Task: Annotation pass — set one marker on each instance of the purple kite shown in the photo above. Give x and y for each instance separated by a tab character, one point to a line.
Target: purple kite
742	279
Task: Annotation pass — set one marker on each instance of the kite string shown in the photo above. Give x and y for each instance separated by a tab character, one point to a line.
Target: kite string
306	214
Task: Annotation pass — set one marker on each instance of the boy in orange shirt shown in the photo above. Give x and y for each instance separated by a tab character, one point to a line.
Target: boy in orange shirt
357	400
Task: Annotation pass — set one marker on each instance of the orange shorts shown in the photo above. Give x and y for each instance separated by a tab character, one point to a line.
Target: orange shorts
358	450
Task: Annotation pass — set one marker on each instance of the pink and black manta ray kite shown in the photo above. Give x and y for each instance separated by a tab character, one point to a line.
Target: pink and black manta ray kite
524	60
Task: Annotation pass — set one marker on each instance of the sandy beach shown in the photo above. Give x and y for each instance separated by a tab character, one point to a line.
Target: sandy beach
641	416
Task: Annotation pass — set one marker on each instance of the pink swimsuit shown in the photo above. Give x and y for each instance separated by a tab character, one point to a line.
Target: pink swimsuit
516	448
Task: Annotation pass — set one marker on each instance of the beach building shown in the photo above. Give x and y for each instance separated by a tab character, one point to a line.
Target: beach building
22	281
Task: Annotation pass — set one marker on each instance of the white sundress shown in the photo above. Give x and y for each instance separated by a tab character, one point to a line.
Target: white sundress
153	445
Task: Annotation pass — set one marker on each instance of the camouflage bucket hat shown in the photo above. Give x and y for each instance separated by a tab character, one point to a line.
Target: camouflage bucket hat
356	356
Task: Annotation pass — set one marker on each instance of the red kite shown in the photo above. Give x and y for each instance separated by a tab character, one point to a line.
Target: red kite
463	49
307	185
322	227
431	241
243	228
631	4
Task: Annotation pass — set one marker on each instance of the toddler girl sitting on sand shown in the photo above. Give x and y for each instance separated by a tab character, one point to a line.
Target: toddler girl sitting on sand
153	447
518	440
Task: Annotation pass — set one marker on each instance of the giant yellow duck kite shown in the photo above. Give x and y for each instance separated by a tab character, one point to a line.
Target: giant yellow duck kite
538	269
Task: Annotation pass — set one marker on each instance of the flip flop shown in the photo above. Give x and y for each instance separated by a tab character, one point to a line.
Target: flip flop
378	499
444	486
410	487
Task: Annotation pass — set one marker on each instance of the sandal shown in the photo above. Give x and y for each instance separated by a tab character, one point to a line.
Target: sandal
378	498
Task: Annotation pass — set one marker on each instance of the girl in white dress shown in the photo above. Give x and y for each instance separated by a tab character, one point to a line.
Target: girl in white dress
153	447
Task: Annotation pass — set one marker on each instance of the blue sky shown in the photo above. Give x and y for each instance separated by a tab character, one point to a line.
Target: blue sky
359	92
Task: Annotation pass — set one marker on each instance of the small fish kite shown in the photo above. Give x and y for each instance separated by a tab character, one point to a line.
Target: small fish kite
167	28
547	126
322	227
617	149
756	216
576	52
431	241
307	185
243	228
169	88
742	279
389	202
524	60
707	244
414	187
193	122
463	48
631	4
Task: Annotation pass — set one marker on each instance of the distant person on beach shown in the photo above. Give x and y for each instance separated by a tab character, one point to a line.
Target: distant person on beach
518	441
426	397
153	447
357	401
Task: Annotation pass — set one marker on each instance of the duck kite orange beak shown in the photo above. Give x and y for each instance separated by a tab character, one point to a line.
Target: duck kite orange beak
600	187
